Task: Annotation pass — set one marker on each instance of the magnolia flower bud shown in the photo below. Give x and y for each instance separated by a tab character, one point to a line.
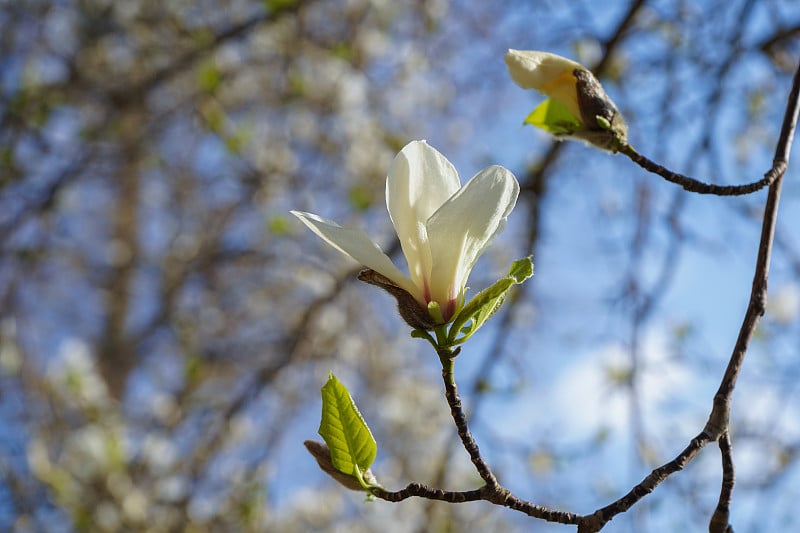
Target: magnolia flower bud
578	106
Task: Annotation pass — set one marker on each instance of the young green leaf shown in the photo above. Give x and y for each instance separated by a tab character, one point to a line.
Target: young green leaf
552	116
488	301
209	77
352	447
521	269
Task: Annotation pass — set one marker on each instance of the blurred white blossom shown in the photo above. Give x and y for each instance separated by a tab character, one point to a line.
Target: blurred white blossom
784	304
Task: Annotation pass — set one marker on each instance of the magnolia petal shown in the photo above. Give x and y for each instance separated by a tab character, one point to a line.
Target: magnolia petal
548	73
463	227
355	243
419	182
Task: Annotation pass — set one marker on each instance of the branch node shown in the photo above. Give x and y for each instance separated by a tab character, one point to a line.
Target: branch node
719	417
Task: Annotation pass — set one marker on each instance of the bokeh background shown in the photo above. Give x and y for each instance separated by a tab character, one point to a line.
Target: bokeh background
166	325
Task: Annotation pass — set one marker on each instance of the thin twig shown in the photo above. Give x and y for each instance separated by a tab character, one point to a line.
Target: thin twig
496	495
695	185
717	423
447	358
719	520
492	491
420	490
597	520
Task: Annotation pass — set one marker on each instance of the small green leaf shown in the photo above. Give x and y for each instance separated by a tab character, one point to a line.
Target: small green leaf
203	37
6	159
360	197
279	5
278	225
488	301
521	269
215	118
209	77
236	141
552	116
343	50
602	122
351	444
422	334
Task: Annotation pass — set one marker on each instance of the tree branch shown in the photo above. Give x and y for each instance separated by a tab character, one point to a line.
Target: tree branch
447	358
718	421
420	490
696	186
597	520
719	520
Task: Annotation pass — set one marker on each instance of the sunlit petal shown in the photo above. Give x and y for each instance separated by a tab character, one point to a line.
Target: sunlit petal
355	243
464	226
548	73
419	182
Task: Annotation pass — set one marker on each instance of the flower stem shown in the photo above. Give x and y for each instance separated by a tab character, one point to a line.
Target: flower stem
447	358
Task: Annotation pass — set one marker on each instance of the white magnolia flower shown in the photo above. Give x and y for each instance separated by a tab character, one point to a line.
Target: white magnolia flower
591	116
443	227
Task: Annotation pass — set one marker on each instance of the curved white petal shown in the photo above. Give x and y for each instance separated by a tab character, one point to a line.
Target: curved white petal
419	182
355	243
548	73
464	226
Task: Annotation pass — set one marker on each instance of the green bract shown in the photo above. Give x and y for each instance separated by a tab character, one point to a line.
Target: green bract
488	302
478	310
553	117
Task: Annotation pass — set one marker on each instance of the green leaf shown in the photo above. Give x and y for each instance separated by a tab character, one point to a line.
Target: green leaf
215	118
488	301
279	5
209	77
521	269
360	197
552	116
343	50
422	334
278	225
352	446
236	141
